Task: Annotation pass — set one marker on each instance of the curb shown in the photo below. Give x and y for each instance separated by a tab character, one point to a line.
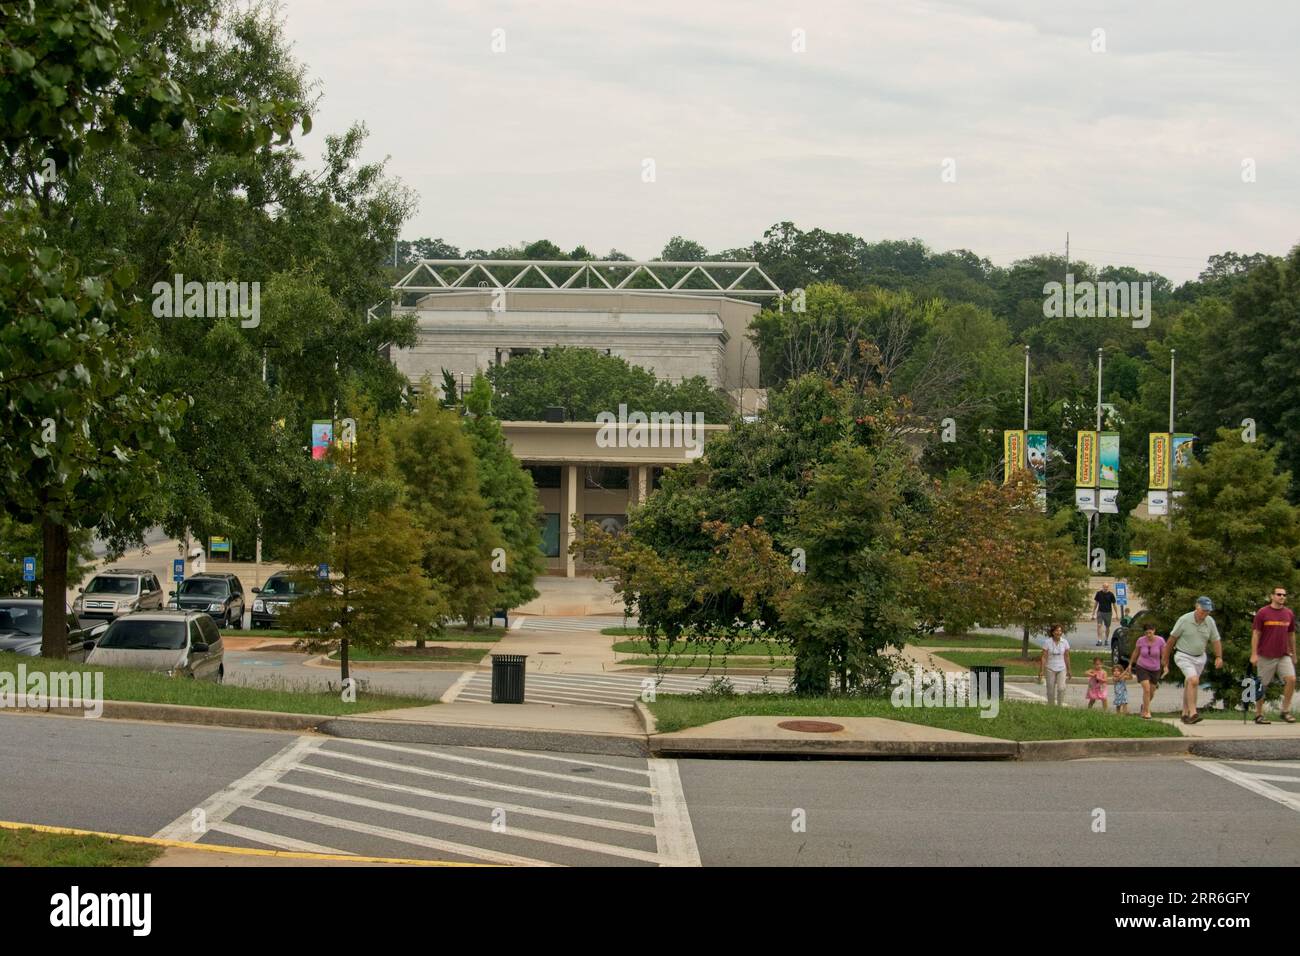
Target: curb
474	735
670	745
648	722
187	714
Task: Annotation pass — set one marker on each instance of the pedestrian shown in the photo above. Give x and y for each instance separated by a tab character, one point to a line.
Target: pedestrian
1121	676
1103	605
1054	665
1272	652
1190	635
1146	665
1097	684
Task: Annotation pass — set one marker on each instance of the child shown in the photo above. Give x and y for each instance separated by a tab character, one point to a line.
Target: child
1121	675
1097	684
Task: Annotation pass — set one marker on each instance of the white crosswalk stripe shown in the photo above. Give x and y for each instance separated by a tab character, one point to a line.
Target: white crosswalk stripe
460	804
613	690
1283	788
597	624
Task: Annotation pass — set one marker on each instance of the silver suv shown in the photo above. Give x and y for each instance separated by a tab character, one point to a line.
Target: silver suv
118	591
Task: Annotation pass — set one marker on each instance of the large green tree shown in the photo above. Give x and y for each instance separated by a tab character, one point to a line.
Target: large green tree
1233	536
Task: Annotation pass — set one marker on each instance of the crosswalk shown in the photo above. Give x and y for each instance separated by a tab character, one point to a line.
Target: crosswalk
570	624
614	690
453	804
1277	780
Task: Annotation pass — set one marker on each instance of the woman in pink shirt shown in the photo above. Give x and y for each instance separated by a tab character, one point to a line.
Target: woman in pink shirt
1146	665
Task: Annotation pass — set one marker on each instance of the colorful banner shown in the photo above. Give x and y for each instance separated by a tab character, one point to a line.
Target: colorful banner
1013	453
1085	466
322	435
1180	455
1108	459
1158	461
1139	559
1036	456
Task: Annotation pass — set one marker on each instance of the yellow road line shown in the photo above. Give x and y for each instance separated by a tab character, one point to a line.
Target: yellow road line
238	850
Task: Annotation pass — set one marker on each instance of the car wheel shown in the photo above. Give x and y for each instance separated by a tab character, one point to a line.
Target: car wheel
221	674
232	621
1114	651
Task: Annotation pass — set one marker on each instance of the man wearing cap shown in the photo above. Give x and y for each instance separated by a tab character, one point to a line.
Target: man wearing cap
1272	651
1193	631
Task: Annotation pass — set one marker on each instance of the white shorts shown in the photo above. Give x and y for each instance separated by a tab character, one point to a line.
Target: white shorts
1189	665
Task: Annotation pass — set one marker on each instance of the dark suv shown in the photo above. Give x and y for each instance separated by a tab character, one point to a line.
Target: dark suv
272	598
221	596
1124	638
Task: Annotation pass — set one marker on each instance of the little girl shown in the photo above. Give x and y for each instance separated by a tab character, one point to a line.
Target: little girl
1097	684
1120	676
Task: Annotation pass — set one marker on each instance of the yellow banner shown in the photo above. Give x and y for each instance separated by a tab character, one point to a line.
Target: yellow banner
1013	451
1085	466
1158	461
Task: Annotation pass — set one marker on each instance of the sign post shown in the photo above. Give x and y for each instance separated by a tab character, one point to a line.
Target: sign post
178	575
29	574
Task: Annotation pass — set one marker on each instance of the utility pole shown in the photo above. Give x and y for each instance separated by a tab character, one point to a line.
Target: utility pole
1096	515
1026	388
1067	253
1169	508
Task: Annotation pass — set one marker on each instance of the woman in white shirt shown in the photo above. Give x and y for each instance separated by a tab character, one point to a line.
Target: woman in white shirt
1054	665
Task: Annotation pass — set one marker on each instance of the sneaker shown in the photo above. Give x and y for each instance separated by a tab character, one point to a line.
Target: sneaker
1261	719
1195	719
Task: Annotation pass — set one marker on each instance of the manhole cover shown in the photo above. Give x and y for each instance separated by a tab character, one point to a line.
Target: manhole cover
810	726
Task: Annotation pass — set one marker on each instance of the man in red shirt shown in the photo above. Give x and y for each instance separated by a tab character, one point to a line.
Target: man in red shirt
1272	651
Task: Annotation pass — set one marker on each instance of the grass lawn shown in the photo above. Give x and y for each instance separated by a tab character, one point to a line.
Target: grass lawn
1016	720
969	640
36	848
1080	661
623	631
431	653
123	684
717	663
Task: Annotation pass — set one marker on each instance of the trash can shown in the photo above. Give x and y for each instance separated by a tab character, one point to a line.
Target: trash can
508	678
997	677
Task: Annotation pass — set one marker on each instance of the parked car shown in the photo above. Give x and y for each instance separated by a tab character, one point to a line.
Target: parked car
221	596
280	590
1124	638
176	643
21	620
118	591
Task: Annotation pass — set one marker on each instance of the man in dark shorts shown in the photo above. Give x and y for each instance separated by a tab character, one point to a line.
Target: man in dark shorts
1272	651
1103	605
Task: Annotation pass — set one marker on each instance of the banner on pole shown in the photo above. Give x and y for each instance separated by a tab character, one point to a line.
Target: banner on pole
322	436
1180	455
1108	502
1085	465
1158	461
1108	458
1085	499
1013	452
1036	457
1157	503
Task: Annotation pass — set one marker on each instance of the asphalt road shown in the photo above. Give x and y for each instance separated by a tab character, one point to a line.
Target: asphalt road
478	805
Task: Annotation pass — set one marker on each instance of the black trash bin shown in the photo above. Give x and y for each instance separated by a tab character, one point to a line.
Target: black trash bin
997	677
508	678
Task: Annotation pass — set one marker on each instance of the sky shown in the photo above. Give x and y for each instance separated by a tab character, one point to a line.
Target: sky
999	126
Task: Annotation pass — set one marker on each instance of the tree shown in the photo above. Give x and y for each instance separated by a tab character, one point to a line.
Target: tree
435	460
510	497
377	593
1234	536
587	382
87	439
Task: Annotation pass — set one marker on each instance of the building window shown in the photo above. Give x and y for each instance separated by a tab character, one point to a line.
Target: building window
598	478
544	476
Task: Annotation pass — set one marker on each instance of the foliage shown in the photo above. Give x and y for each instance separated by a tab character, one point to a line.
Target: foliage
1234	537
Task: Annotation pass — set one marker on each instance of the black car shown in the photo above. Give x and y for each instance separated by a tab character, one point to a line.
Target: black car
280	590
1124	638
221	596
20	629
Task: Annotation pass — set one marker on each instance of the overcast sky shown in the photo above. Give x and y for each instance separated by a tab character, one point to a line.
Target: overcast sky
1137	151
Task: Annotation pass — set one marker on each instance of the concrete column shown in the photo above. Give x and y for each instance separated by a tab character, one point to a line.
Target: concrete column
569	494
642	483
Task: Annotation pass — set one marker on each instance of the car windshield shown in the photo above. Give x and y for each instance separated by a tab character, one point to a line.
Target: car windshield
21	617
136	635
282	586
203	587
113	586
